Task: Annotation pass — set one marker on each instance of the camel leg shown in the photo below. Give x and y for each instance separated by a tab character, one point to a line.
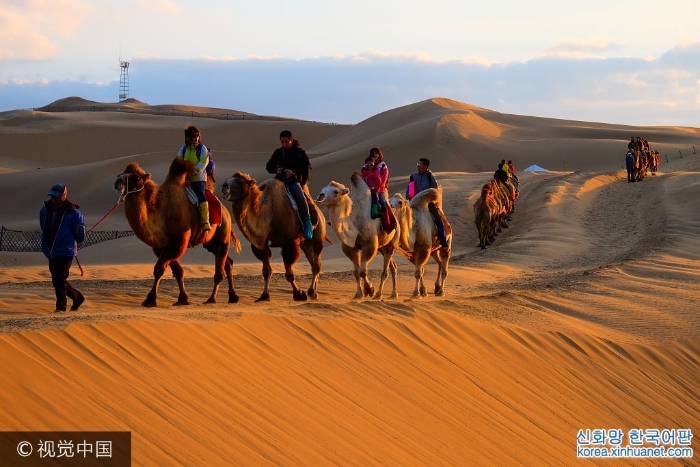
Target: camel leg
442	257
179	274
421	257
152	296
354	256
312	251
483	232
165	255
394	279
290	255
369	251
220	252
264	256
387	253
228	268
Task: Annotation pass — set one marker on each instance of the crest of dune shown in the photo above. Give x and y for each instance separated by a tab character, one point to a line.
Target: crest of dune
468	125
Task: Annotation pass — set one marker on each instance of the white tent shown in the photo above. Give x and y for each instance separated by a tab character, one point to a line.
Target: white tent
535	168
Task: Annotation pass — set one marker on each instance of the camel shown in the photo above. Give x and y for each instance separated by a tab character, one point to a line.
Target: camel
505	205
360	235
163	218
266	218
639	165
419	237
485	216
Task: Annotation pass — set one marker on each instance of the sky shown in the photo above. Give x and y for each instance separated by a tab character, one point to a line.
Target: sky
626	62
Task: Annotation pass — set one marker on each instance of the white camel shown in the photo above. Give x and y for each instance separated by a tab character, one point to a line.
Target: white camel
419	236
360	235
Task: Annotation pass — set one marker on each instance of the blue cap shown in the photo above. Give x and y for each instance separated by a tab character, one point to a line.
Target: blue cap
57	190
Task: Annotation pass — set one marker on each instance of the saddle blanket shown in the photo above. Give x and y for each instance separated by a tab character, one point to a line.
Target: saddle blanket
309	202
214	204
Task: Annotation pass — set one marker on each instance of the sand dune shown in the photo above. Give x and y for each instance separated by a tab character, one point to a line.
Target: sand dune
582	314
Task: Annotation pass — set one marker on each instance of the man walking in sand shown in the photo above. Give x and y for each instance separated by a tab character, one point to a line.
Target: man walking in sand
62	228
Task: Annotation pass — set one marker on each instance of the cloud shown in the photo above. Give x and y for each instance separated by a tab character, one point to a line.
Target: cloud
581	49
343	89
29	29
160	6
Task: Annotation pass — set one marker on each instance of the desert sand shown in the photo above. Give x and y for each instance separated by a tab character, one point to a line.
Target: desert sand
582	315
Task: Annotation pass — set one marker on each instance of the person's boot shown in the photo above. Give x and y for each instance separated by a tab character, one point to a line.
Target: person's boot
306	228
375	212
204	215
77	302
441	234
60	305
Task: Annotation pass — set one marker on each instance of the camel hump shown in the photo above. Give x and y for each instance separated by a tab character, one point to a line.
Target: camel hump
357	181
178	168
271	183
431	195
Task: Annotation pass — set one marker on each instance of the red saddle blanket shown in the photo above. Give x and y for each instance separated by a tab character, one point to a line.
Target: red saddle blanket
214	208
214	203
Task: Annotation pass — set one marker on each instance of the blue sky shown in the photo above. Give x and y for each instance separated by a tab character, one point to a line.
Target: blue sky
634	62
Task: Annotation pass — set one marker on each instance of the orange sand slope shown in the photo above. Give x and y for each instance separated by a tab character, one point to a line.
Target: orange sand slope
582	314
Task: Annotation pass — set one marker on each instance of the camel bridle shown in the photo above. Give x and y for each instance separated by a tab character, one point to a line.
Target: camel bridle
124	178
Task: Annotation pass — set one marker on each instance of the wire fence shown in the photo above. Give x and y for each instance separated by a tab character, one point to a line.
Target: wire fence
20	241
679	155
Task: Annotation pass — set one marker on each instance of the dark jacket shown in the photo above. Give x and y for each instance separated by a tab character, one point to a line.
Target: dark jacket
421	181
294	158
629	159
62	228
501	175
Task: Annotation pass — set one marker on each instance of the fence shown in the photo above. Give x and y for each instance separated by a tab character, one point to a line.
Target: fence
672	156
30	241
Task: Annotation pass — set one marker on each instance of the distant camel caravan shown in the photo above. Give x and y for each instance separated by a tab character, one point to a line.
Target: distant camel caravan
266	218
418	238
493	209
640	160
360	235
164	218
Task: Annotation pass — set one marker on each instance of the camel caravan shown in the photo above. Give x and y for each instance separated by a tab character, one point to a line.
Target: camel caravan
279	212
640	160
496	203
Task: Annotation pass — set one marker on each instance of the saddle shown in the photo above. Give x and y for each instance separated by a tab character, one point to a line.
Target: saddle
388	219
214	203
313	210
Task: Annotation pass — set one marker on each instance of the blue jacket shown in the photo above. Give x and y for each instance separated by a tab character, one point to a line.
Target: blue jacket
62	228
629	159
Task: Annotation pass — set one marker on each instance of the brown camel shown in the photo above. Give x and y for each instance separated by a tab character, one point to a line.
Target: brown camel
505	205
419	236
266	218
361	236
163	218
485	216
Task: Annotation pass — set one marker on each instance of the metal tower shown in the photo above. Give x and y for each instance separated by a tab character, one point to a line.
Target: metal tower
123	80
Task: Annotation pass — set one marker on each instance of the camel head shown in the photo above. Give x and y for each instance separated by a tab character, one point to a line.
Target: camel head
332	194
133	179
398	202
237	186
